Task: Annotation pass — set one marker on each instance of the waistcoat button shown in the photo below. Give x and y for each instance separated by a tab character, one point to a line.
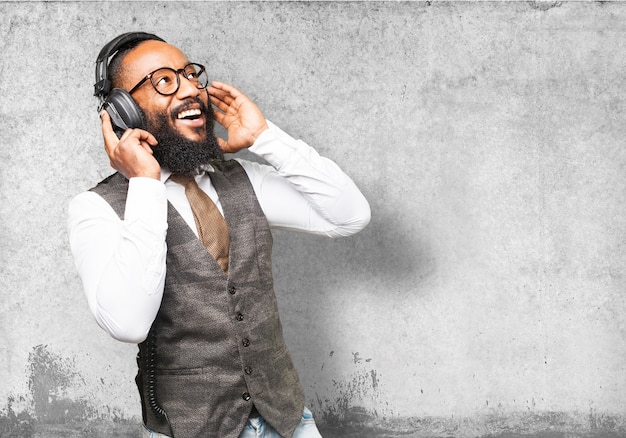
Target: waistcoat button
245	342
248	370
246	396
232	290
239	317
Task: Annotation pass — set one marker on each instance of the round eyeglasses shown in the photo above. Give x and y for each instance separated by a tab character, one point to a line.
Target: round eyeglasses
166	80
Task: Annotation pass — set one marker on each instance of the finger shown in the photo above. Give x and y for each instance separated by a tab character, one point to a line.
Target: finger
147	147
110	139
213	91
145	136
220	96
126	134
221	104
230	89
136	135
220	117
227	88
219	85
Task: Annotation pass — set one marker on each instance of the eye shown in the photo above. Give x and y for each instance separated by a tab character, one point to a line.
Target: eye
191	75
162	80
191	72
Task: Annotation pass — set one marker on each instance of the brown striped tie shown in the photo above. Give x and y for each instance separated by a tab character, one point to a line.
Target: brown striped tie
211	225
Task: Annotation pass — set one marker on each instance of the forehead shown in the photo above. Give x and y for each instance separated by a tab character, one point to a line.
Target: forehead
149	56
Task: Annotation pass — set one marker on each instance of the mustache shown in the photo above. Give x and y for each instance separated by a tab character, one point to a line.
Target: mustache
188	104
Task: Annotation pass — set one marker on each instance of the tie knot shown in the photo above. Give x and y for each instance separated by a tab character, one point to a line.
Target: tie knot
181	178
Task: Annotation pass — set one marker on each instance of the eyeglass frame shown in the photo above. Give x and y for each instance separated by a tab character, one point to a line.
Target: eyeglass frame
177	73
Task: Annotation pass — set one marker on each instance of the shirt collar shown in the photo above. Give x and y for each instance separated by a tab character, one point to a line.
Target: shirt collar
202	169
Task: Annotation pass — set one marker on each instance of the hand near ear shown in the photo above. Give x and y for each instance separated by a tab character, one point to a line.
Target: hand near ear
240	116
131	155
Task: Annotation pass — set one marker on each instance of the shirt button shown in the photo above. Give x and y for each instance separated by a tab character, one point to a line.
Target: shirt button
245	342
246	396
239	317
248	370
232	290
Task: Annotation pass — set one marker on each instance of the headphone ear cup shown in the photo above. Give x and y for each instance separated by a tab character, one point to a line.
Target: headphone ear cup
124	111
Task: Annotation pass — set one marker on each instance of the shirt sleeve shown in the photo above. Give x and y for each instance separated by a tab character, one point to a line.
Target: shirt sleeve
121	262
303	191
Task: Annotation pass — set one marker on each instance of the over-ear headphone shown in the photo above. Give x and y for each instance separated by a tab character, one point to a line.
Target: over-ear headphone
124	111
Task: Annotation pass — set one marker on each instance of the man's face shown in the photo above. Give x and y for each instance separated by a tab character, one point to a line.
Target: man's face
182	122
186	110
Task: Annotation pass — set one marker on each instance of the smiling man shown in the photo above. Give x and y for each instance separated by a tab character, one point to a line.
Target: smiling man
174	249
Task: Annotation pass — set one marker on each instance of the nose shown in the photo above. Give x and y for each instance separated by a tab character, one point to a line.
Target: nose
187	88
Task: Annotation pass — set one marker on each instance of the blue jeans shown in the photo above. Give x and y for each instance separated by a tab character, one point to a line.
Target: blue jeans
258	428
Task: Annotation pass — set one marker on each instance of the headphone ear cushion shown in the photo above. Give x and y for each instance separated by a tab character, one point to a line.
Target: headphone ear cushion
124	111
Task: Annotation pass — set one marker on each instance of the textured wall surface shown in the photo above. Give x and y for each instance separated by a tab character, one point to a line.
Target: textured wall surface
487	296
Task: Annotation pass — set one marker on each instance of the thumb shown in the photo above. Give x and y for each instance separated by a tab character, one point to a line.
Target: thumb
223	144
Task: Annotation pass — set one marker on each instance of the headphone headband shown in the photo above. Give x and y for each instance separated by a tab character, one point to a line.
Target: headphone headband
102	86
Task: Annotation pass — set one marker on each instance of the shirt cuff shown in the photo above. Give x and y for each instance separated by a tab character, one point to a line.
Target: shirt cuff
274	145
147	201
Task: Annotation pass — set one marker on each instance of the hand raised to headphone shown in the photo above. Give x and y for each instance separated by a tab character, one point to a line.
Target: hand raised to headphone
241	118
131	154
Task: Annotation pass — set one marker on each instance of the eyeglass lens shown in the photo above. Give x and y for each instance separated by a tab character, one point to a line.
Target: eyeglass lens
165	80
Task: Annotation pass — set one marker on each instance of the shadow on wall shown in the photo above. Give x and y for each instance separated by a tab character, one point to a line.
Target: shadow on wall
318	276
388	251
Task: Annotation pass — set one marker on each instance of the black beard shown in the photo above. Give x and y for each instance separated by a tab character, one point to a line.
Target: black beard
179	154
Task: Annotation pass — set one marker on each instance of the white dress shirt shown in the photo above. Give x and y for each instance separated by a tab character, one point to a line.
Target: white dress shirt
122	261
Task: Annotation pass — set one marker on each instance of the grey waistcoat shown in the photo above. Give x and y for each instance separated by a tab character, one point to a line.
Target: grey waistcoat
216	346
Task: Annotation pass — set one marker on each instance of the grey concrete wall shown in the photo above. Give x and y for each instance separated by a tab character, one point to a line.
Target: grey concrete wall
487	296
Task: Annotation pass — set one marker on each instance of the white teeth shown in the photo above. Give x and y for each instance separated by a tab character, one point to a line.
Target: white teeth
189	113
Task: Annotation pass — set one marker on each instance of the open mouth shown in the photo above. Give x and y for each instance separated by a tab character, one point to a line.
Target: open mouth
190	114
192	118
